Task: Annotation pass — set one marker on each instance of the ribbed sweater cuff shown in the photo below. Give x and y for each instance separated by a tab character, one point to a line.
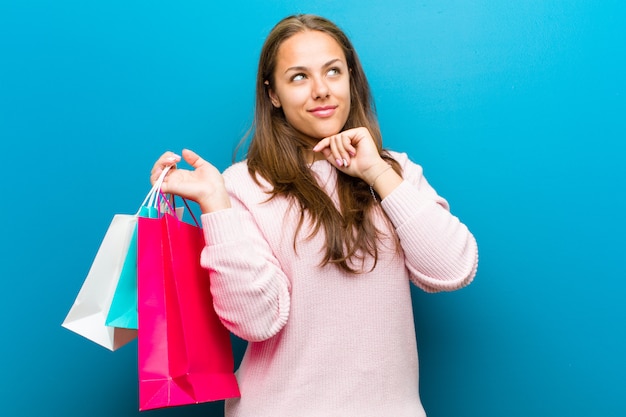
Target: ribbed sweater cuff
213	227
403	202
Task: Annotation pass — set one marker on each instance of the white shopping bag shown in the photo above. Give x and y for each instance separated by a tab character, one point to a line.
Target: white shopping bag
88	314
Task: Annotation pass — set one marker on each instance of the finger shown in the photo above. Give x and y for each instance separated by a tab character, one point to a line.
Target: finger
338	146
167	159
348	150
321	145
335	150
193	158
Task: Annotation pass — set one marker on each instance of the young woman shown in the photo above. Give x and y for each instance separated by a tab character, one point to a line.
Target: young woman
312	241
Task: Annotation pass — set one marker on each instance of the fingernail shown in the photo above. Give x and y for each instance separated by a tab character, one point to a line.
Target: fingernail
345	163
339	161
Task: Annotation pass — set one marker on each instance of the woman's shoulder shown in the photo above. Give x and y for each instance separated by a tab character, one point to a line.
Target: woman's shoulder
239	180
237	169
408	166
400	157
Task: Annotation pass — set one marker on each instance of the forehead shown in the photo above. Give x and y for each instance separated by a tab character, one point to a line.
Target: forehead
308	49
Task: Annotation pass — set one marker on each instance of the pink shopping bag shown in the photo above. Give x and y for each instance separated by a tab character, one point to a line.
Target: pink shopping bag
185	353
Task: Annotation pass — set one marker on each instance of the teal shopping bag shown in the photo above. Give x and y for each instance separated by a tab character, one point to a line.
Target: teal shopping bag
123	311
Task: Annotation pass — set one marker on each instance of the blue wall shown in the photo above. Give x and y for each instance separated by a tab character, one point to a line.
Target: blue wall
515	109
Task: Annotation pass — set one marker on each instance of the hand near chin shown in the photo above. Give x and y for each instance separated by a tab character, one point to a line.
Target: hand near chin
352	151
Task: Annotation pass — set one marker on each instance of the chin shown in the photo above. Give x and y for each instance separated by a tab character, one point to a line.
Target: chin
324	133
318	133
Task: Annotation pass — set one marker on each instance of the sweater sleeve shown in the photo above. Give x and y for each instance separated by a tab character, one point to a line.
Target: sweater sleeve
441	254
250	291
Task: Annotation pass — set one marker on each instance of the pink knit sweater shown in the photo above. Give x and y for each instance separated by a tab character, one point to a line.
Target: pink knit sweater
322	342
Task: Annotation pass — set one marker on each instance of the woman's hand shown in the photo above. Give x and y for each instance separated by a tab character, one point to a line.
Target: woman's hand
354	152
204	184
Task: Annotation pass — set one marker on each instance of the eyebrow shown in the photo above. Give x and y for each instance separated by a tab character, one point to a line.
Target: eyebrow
301	68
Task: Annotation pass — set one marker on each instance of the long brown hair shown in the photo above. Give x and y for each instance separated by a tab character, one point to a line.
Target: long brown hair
278	154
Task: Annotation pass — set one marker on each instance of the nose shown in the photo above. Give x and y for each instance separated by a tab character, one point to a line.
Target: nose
320	89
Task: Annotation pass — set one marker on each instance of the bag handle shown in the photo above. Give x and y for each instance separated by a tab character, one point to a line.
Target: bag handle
156	197
164	198
152	197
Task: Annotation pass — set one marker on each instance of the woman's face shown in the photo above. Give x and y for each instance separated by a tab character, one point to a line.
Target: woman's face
312	84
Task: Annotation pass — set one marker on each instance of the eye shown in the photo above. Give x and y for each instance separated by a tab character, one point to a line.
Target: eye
298	77
334	71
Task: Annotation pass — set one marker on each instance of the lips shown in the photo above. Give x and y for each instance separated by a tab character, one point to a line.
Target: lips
323	111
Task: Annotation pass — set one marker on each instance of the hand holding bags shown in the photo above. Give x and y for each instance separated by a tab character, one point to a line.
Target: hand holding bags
185	353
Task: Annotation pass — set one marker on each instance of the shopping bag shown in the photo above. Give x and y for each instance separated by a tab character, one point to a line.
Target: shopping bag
184	352
88	313
87	316
123	311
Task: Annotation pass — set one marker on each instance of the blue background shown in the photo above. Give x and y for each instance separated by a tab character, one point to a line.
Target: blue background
515	109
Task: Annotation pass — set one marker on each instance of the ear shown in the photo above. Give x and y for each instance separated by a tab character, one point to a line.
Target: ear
274	98
272	95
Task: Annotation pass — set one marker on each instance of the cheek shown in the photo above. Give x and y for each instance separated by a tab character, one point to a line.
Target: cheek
347	99
294	102
341	90
346	92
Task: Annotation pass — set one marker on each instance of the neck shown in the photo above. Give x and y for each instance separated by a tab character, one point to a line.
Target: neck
310	142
